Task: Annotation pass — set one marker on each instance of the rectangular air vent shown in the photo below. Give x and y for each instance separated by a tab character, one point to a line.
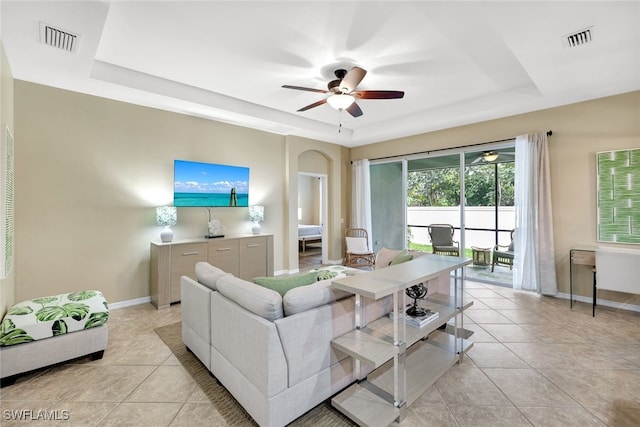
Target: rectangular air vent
58	38
578	38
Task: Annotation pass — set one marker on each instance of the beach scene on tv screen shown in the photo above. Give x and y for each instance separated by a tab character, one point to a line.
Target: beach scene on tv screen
210	185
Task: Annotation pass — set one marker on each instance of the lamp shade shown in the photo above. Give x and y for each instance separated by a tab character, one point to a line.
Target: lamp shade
256	213
340	102
166	215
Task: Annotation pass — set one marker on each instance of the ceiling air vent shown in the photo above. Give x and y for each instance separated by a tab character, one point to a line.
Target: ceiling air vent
58	38
578	38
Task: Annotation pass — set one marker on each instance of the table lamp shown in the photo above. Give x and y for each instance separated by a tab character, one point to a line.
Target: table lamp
166	216
256	215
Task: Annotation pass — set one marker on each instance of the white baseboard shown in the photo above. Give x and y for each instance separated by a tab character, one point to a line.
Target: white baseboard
599	301
281	272
129	303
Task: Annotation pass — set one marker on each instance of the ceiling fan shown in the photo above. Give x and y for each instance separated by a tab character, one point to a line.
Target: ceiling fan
343	94
491	156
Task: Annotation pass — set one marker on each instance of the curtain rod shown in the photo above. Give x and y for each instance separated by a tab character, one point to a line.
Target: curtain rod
549	133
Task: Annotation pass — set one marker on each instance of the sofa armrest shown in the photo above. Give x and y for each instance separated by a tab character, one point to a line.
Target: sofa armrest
196	314
248	342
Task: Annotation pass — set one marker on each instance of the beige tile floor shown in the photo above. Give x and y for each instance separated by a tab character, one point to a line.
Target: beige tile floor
534	362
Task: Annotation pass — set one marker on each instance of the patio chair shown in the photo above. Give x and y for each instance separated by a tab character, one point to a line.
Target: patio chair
503	256
442	242
358	253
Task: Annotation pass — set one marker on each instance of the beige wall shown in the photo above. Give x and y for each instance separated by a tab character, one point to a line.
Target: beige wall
90	172
7	285
579	131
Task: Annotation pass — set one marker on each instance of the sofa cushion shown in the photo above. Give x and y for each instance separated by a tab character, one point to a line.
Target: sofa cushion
208	275
257	299
305	298
384	256
282	284
403	256
46	317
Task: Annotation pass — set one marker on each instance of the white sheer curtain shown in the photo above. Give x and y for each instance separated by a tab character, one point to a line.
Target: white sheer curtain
361	196
534	264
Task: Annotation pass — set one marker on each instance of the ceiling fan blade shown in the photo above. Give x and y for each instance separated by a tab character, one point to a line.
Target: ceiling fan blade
354	110
315	104
378	94
308	89
352	79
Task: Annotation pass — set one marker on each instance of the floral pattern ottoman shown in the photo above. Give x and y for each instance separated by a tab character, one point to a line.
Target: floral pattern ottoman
76	322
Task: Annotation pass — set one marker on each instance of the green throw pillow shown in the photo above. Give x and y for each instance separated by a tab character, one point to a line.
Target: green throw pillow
281	284
401	257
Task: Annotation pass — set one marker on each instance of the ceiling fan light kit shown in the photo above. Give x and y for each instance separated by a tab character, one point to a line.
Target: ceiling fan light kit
490	156
341	101
342	93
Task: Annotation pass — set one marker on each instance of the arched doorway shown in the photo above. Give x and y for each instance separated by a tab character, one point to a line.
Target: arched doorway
312	208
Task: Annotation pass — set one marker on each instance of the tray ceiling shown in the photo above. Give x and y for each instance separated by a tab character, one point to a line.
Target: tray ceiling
457	62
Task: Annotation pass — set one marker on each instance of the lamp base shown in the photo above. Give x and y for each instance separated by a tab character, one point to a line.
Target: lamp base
166	235
255	228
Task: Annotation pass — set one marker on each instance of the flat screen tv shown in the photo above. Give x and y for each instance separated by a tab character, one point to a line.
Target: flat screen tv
209	185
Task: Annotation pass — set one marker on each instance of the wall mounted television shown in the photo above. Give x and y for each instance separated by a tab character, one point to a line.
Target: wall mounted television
209	185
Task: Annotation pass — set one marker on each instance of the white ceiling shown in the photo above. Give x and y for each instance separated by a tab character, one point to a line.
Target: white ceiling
457	62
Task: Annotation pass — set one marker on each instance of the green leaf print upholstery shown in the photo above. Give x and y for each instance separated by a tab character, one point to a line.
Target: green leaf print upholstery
51	316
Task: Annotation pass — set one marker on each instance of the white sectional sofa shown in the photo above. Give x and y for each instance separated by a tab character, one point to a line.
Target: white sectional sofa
272	352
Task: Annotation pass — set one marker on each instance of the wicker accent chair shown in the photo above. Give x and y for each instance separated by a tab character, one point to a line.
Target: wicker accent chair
358	253
503	256
441	236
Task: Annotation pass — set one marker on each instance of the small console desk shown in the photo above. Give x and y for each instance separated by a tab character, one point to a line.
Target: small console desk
582	257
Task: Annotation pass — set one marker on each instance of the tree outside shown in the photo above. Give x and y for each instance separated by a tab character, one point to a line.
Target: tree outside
441	187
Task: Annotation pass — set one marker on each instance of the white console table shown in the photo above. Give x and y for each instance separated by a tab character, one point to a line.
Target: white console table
404	363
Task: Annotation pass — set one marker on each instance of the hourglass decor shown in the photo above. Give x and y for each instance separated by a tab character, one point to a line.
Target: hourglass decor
416	292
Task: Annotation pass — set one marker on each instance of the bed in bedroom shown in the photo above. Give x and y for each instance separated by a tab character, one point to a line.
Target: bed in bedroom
308	234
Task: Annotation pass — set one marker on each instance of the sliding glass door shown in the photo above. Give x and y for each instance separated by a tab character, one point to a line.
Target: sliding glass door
469	189
388	202
433	197
489	198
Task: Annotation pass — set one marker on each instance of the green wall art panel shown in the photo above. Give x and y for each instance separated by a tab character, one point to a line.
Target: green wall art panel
619	196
